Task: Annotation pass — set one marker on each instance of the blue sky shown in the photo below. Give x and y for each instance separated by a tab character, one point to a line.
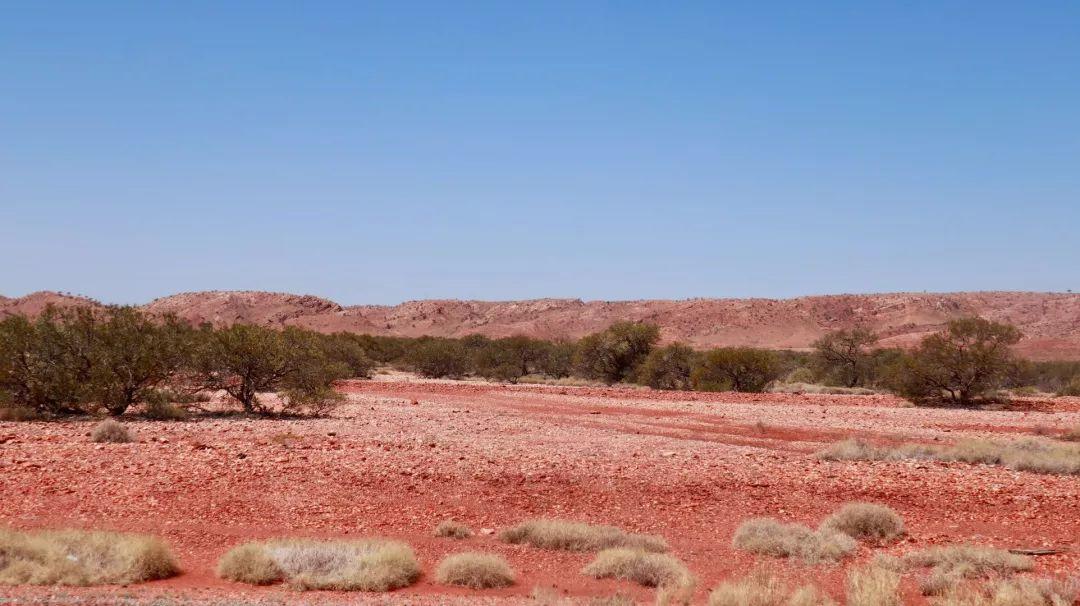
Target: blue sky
374	153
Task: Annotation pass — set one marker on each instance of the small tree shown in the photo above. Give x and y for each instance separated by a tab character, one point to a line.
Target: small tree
613	355
667	367
45	364
437	358
736	369
511	358
349	350
958	366
844	355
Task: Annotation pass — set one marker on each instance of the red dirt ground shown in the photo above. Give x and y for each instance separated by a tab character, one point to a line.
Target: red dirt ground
404	455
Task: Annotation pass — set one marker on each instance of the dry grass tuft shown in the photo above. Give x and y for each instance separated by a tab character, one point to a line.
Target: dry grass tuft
642	567
758	589
367	565
111	431
866	521
951	565
809	595
1071	435
577	536
453	530
475	570
873	587
677	594
618	599
1013	592
1035	455
82	558
774	538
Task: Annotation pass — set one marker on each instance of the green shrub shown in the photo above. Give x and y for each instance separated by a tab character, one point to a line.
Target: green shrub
614	354
844	356
667	367
736	369
439	358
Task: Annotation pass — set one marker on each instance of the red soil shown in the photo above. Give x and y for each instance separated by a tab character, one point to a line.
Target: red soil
402	456
1050	322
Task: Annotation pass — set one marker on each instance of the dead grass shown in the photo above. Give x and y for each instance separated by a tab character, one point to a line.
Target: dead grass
757	589
952	564
111	431
578	536
642	567
364	565
771	537
801	387
865	522
1035	455
1014	592
453	530
873	586
618	599
809	595
82	558
475	570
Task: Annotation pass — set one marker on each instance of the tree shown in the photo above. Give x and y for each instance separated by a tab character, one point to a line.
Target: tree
244	360
844	355
45	364
958	366
131	355
349	350
667	367
613	354
510	358
438	358
736	369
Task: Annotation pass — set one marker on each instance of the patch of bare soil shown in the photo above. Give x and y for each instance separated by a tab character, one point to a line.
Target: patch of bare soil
403	456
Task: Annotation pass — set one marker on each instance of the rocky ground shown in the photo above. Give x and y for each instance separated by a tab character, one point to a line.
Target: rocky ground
403	455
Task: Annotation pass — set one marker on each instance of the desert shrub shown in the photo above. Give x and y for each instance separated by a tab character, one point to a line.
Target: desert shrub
771	537
112	432
958	366
680	593
618	599
453	530
164	411
844	357
1037	456
20	413
974	560
1072	388
642	567
364	565
41	366
558	359
758	589
852	449
866	521
801	374
439	358
82	558
1012	592
667	367
735	369
873	587
809	595
245	360
349	351
578	536
475	570
1071	435
511	358
614	354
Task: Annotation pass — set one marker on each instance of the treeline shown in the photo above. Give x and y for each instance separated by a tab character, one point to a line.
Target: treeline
76	361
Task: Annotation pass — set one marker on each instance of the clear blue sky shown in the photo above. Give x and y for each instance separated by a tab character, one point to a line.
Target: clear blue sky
384	152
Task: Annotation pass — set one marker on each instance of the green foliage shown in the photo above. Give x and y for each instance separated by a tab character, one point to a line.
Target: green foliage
614	354
511	358
438	358
44	364
844	356
349	350
667	367
959	366
736	369
1072	388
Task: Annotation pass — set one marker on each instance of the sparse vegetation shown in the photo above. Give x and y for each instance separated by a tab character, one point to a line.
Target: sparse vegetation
758	589
82	558
668	367
866	522
1034	455
844	356
1013	592
577	536
736	369
475	570
873	586
614	354
110	431
771	537
365	565
453	530
642	567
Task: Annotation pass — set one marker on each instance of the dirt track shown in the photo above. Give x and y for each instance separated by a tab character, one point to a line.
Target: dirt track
402	456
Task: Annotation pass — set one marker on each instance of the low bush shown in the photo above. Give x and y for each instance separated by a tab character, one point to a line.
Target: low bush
873	587
578	536
1071	435
453	530
20	413
110	431
1072	388
1034	455
771	537
475	570
865	522
164	411
364	565
642	567
82	558
951	564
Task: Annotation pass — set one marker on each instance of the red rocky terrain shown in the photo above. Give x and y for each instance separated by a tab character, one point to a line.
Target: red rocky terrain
1050	322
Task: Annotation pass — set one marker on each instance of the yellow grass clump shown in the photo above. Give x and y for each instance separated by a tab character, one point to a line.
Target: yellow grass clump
771	537
452	530
475	570
578	536
1034	455
642	567
866	521
82	558
873	586
362	565
110	431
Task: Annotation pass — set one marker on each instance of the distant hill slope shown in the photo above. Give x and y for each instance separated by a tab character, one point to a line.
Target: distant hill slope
1050	322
